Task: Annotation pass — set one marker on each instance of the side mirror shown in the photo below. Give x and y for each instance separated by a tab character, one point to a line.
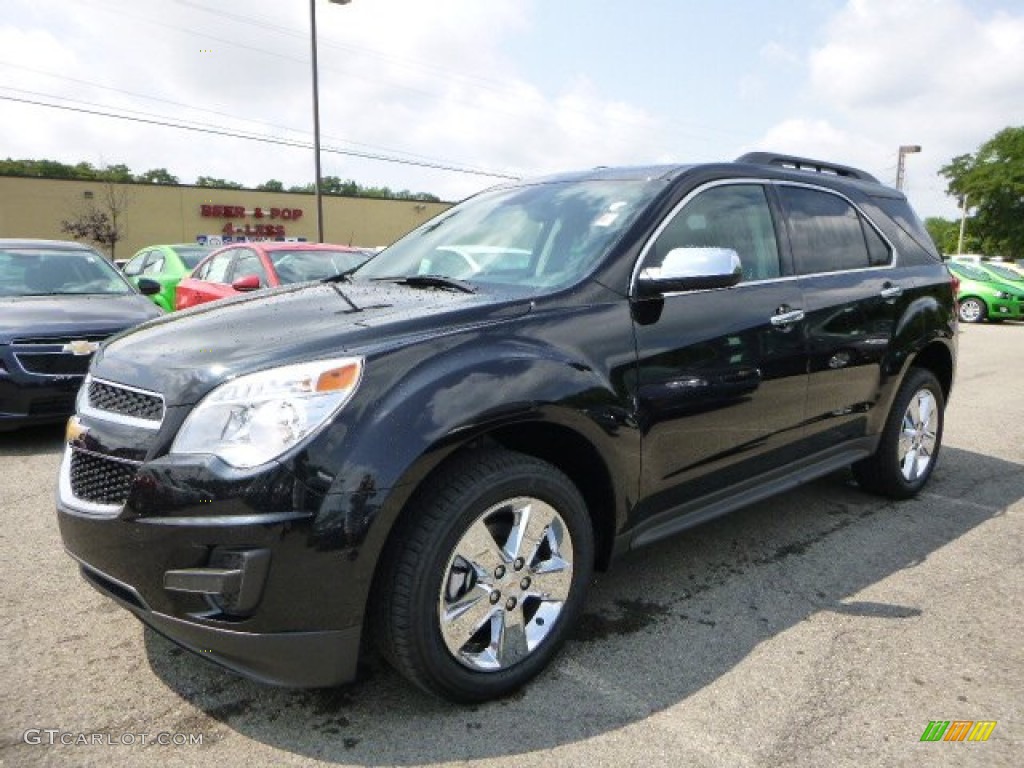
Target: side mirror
691	269
149	287
247	283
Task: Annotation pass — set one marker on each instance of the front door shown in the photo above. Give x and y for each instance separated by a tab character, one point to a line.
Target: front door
722	374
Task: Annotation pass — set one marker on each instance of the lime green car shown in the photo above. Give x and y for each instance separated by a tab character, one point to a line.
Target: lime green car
982	296
166	264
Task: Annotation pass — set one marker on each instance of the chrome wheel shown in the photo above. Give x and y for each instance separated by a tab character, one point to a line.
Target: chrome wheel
918	436
971	311
505	584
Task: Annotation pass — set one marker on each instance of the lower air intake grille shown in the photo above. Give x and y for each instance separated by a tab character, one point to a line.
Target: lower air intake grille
100	480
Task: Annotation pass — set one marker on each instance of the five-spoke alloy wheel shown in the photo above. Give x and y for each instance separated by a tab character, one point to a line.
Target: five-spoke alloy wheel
485	576
910	440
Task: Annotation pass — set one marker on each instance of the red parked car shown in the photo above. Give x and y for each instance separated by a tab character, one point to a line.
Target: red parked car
244	267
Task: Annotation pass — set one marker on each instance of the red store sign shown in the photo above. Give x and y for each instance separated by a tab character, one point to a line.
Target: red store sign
257	230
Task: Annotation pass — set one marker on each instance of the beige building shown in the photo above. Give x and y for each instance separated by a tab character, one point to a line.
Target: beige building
154	214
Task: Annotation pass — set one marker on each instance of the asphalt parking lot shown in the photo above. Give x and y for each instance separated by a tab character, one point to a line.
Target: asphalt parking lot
822	628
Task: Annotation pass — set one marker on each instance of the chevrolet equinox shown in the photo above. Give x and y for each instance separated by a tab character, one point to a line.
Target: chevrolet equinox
429	457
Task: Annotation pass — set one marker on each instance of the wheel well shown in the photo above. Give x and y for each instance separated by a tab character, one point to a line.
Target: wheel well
937	359
565	449
576	457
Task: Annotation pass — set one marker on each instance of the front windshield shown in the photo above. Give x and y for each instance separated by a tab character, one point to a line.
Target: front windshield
190	256
298	266
543	236
57	272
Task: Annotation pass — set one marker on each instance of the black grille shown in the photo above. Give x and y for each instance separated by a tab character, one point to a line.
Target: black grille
127	402
100	480
55	365
37	341
62	405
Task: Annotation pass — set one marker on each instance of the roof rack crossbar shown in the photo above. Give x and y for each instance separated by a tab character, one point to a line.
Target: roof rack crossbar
805	164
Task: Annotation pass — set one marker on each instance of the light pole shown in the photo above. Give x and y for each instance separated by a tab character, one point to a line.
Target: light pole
316	119
906	149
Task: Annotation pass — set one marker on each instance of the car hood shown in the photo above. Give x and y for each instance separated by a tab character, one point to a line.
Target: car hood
186	354
87	315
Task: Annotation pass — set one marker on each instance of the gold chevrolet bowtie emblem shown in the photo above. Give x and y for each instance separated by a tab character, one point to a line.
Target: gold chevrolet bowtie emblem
75	430
81	347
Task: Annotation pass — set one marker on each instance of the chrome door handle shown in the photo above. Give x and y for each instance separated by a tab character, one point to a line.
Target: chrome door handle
892	292
787	318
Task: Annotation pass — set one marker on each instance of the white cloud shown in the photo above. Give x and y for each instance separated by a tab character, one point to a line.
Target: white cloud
439	86
930	72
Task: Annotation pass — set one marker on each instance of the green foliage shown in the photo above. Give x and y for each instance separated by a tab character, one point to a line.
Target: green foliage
157	176
992	179
210	181
944	233
122	174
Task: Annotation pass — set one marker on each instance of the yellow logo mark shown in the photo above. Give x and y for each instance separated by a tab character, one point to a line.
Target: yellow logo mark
74	430
81	347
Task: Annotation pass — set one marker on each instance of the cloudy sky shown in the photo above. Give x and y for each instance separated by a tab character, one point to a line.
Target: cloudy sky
508	88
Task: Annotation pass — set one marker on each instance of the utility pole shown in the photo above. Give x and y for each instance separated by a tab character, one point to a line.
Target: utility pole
316	120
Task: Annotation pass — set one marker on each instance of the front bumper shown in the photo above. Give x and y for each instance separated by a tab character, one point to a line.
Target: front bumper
26	400
297	659
1000	309
290	616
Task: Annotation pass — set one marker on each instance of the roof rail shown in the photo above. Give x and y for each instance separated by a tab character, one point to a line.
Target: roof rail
805	164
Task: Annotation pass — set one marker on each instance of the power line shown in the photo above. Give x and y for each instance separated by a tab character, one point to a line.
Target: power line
390	150
263	139
502	89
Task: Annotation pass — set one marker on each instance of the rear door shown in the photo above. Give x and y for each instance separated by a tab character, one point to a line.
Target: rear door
721	378
853	297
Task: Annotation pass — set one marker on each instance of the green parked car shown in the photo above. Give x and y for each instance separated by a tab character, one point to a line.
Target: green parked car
982	297
166	264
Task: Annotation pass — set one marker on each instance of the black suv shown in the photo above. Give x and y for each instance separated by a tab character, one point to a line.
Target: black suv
428	457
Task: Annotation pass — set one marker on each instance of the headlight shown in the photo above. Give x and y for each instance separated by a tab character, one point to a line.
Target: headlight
252	419
1003	295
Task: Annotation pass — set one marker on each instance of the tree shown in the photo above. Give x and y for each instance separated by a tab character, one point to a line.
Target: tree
102	220
210	181
92	224
273	185
157	176
992	180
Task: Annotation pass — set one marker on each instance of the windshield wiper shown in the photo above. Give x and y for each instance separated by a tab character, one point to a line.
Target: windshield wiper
342	277
432	281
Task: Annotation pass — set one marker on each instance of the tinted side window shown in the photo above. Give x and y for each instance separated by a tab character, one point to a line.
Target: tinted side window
827	233
155	264
217	268
248	263
734	216
134	266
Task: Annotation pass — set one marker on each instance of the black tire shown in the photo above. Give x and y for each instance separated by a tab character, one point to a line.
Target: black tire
972	310
887	473
422	570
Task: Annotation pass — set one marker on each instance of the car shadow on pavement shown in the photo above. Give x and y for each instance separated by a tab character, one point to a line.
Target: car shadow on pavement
662	625
31	441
